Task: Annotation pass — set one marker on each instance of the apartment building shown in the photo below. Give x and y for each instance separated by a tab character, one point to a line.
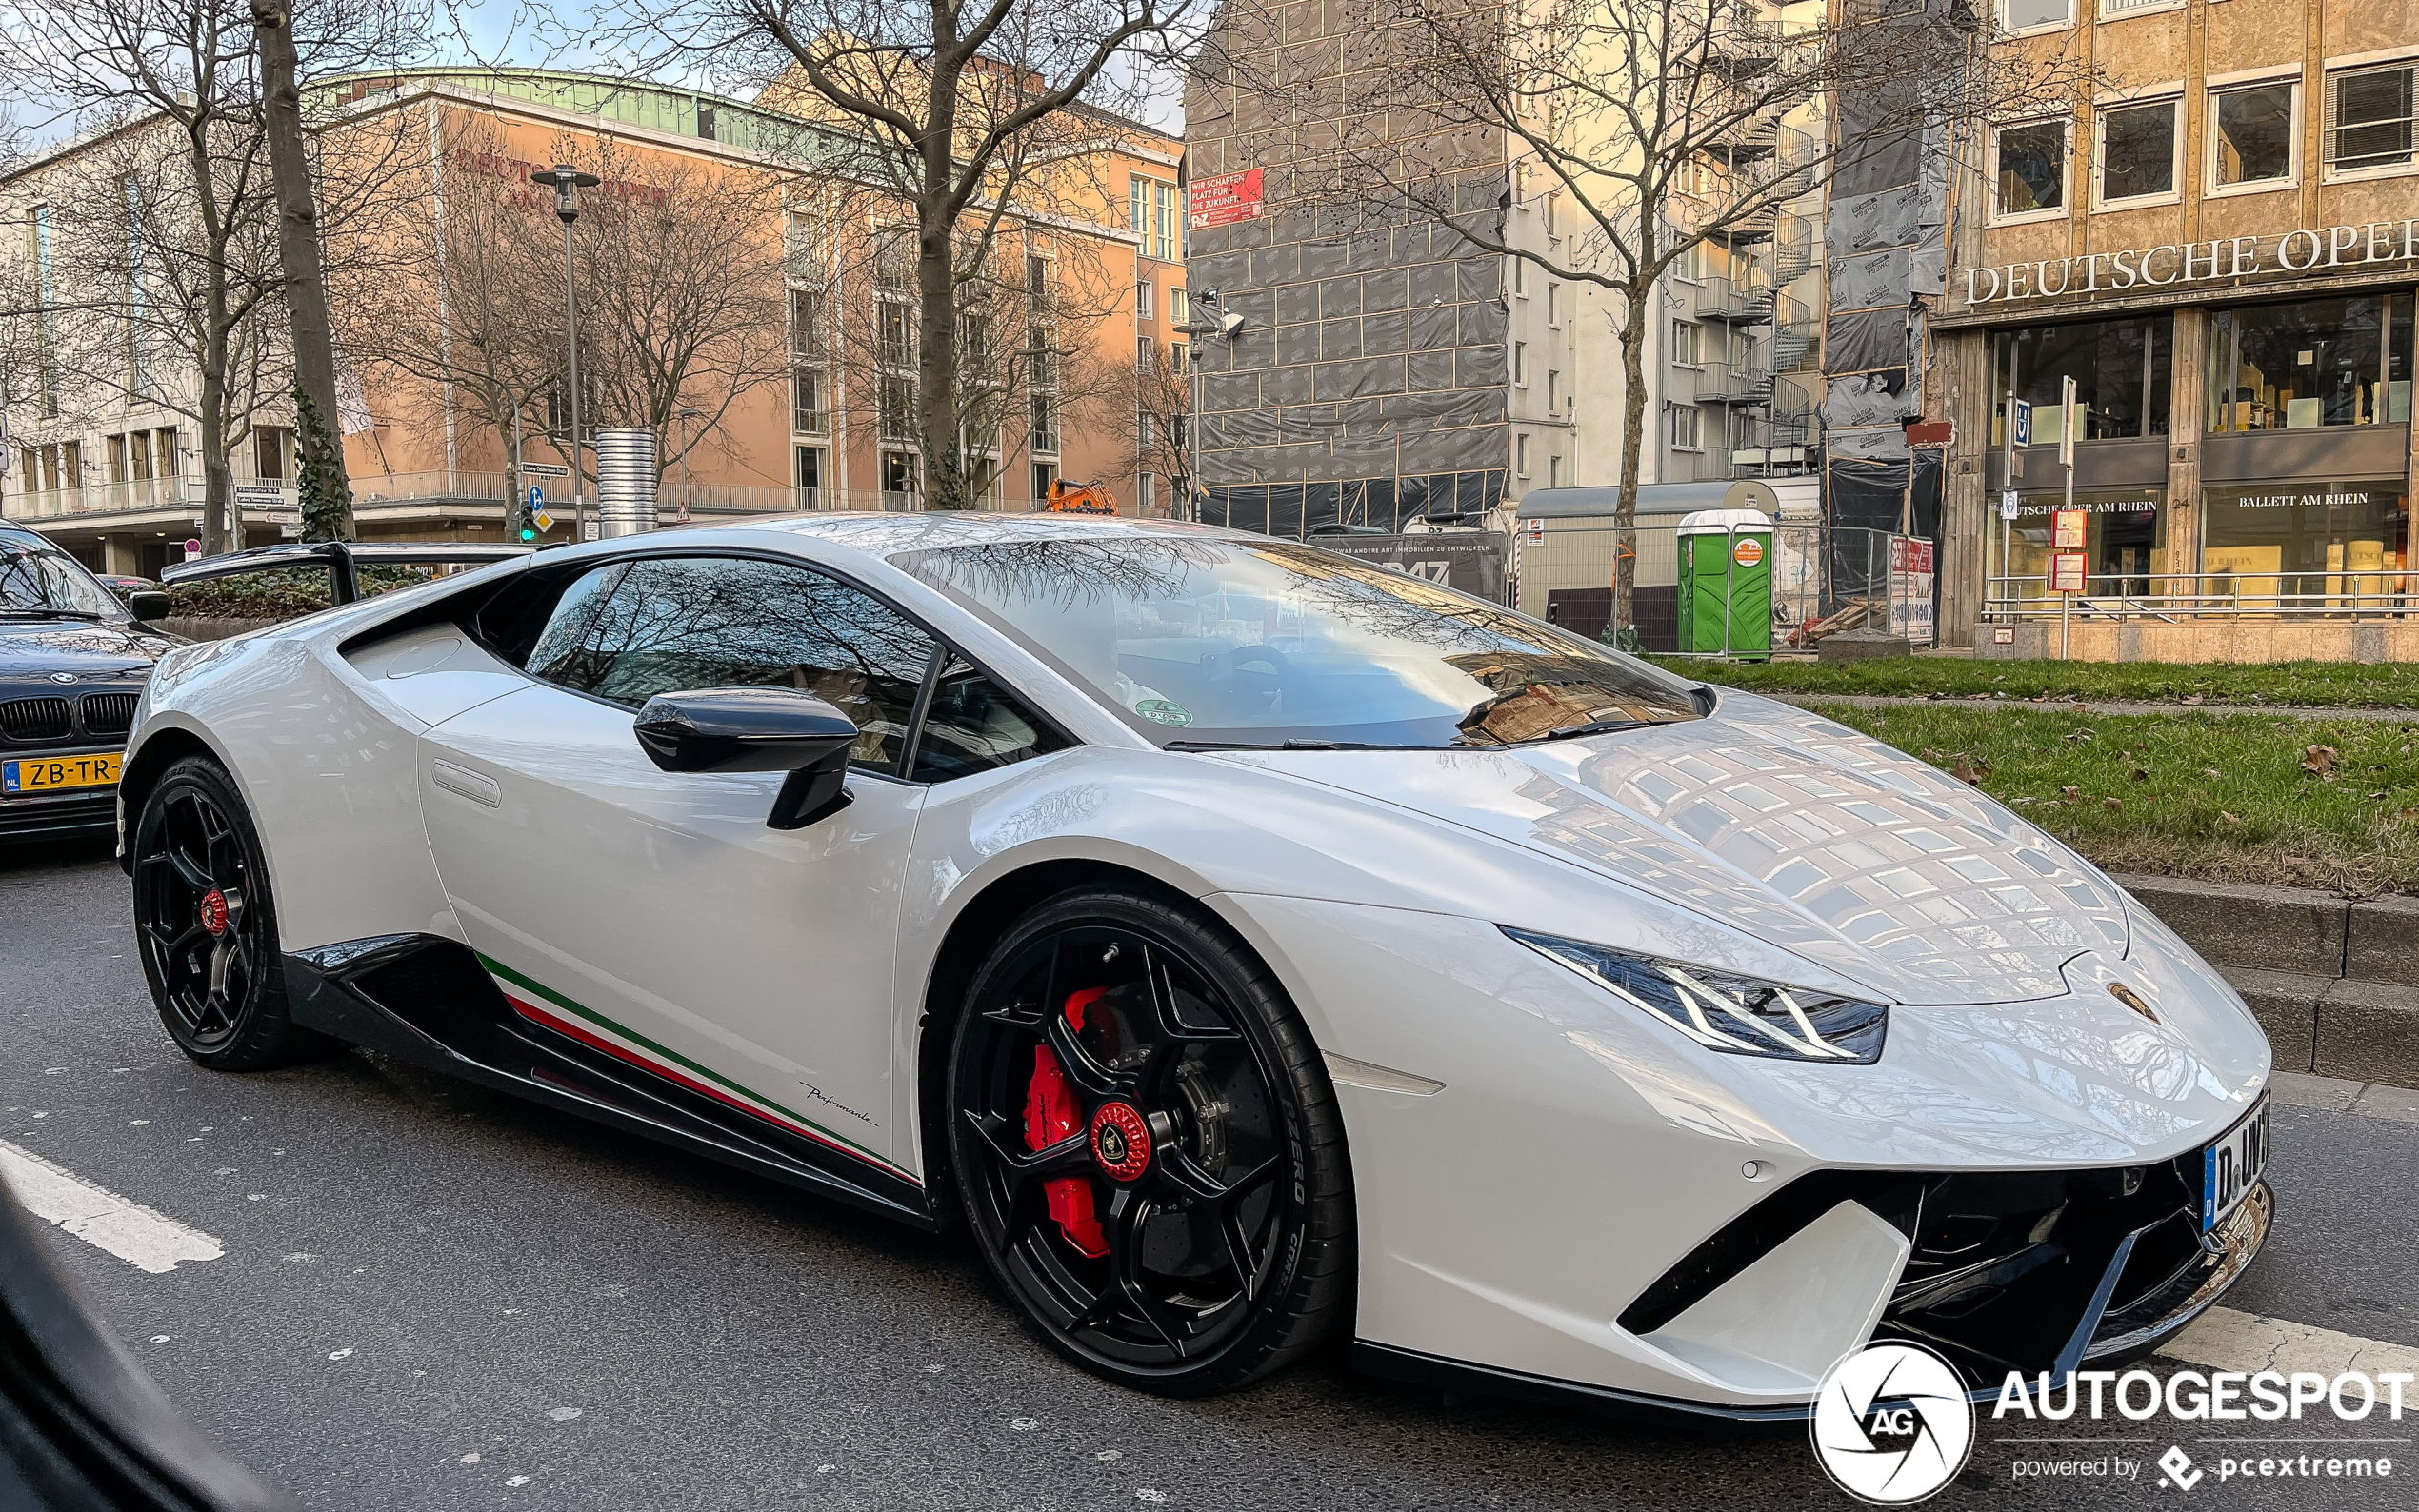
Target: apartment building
2218	250
1090	297
1387	369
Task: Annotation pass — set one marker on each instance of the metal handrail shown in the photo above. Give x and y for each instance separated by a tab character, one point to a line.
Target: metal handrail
2170	597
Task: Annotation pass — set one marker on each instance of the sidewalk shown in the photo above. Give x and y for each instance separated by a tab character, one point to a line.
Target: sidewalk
2056	705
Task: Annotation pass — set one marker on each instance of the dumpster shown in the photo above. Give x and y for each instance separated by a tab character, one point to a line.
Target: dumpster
1725	583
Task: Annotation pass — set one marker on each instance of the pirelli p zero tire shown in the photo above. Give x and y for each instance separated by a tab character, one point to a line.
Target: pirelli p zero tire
1146	1147
206	925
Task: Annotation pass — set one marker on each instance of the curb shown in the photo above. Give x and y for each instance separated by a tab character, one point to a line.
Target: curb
2334	981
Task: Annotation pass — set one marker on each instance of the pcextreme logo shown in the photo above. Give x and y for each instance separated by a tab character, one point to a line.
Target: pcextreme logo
1892	1423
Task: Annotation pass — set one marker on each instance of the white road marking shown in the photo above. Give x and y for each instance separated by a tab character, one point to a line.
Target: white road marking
133	1233
2223	1339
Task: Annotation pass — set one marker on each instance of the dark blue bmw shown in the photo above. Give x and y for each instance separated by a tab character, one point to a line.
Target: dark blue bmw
74	661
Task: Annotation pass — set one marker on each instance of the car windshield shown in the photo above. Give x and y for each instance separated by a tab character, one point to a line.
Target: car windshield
38	578
1208	642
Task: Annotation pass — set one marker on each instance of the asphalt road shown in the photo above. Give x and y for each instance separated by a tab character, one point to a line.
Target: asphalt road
437	1296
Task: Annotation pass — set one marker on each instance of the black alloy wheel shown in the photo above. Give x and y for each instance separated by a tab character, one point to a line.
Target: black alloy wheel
207	928
1146	1147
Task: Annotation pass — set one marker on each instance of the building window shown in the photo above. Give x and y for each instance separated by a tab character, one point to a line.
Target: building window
1520	277
893	259
1687	430
165	460
810	477
1044	413
2023	16
706	122
1165	231
899	480
1040	356
1146	354
896	409
2322	362
2251	134
2121	370
1179	308
2369	117
1520	456
139	459
1147	493
1045	475
810	408
2137	150
809	245
1041	283
896	332
1178	354
272	445
1142	298
1553	389
1554	472
1146	430
1685	347
1554	304
2308	543
809	322
1520	364
2032	173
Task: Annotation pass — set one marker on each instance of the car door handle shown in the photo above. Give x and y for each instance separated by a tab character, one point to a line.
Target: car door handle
471	785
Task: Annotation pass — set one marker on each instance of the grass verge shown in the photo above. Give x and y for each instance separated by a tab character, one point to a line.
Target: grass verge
2309	802
2344	685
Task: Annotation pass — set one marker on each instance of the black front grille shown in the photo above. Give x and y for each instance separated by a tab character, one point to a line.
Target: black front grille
34	719
107	713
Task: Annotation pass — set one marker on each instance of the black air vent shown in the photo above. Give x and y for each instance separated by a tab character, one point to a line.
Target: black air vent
34	719
107	713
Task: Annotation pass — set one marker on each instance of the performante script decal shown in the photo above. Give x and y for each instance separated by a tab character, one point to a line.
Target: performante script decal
542	1004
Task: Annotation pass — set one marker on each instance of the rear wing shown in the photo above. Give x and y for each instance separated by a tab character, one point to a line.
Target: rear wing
342	559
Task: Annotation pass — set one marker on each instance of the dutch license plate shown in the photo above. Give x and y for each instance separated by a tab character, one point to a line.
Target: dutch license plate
52	774
2232	1166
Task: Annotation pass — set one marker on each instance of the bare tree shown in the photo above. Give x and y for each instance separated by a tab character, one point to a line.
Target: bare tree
976	116
1652	125
1162	428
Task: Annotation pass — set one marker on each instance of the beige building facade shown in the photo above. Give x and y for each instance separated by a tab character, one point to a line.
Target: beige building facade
2220	250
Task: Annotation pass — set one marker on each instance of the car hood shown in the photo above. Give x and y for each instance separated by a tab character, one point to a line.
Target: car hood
36	648
1791	828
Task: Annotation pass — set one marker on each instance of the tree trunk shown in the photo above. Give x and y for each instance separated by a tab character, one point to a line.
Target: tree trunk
326	494
945	482
1632	336
218	475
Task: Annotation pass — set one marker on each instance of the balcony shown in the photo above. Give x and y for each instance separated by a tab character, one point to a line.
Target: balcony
104	498
1733	301
1733	382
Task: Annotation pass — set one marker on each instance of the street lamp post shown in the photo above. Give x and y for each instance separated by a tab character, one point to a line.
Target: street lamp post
687	414
567	181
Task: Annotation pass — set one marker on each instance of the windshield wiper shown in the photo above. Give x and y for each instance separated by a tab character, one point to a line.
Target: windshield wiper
48	612
1595	726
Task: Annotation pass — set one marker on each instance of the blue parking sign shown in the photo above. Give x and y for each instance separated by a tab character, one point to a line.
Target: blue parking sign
2024	422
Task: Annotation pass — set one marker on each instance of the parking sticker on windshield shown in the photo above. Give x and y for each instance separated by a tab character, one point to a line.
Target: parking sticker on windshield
1162	712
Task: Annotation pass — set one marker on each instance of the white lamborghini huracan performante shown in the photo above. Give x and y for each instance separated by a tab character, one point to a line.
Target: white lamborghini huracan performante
1245	944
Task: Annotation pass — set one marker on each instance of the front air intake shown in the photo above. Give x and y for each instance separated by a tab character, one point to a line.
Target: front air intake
34	719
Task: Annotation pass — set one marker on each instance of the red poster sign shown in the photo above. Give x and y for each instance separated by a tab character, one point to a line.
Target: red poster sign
1223	199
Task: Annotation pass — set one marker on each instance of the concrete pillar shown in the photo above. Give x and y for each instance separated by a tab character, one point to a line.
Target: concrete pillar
122	555
2187	407
1964	518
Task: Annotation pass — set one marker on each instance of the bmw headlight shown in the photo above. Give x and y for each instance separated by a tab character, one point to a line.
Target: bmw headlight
1733	1014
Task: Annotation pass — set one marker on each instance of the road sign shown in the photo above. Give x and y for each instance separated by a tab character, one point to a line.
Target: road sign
588	530
2007	504
193	548
537	497
2024	422
541	519
681	517
544	469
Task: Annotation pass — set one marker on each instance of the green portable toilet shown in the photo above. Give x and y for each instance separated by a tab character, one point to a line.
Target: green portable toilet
1725	577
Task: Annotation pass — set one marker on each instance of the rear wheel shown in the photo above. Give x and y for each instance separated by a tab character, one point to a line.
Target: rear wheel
1146	1147
206	926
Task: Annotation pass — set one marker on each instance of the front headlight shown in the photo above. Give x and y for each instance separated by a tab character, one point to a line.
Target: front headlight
1733	1014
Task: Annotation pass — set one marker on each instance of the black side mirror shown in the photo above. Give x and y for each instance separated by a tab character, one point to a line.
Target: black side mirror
755	730
148	603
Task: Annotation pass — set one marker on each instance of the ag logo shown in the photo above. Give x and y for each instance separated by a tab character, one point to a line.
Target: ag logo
1892	1424
1747	551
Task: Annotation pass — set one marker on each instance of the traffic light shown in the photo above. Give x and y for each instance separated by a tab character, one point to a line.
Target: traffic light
518	523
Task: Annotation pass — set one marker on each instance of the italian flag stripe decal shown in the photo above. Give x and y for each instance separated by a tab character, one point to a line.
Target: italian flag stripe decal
542	1004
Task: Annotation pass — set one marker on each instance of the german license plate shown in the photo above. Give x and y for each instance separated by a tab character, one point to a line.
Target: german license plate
2231	1168
51	774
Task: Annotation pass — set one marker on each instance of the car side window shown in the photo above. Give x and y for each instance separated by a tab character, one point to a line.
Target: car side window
973	727
664	625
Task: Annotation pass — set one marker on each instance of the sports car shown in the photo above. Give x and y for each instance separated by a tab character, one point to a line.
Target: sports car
72	662
1249	948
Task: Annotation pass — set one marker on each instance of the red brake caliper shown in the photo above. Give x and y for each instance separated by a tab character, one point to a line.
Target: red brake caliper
1051	1114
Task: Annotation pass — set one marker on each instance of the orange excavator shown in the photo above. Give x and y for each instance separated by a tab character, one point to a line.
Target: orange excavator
1076	498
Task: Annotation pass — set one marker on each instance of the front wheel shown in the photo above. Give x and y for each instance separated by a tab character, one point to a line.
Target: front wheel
1146	1147
206	926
